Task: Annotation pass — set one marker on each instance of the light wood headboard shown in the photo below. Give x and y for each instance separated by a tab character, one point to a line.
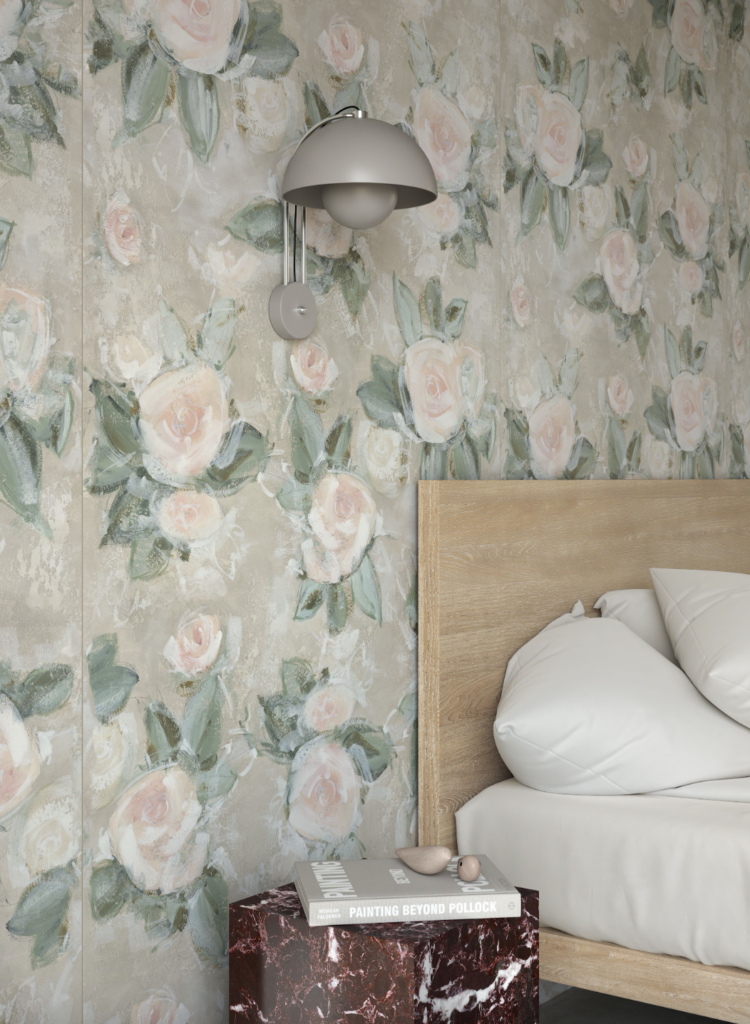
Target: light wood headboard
499	560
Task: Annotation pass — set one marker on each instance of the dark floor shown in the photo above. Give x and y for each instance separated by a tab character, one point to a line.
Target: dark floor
578	1007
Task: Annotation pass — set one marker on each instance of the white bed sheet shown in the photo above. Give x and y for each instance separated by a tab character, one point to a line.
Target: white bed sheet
654	873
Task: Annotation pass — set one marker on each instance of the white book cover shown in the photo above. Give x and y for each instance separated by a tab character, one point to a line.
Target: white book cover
366	891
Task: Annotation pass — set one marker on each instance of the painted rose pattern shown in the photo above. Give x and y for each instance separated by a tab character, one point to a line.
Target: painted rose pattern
693	27
739	223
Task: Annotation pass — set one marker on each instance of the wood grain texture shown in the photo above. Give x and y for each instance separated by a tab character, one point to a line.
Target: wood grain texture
722	993
497	562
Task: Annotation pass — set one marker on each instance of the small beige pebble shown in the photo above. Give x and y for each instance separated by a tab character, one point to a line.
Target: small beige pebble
469	868
427	860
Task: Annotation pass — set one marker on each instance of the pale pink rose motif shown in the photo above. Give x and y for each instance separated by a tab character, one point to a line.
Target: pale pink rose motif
128	354
326	236
443	217
432	376
620	396
189	517
51	831
312	367
520	303
691	401
268	108
183	418
196	33
621	7
341	46
618	258
693	219
635	157
552	435
323	793
122	230
385	458
25	338
342	520
525	393
195	646
159	1009
691	277
658	458
328	707
19	758
693	34
559	138
738	342
443	133
153	831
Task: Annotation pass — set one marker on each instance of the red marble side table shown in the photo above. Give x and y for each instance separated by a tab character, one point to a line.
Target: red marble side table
282	971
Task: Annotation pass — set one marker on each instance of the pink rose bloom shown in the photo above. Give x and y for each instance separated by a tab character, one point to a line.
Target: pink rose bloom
323	793
159	1009
328	707
152	831
693	219
691	277
25	338
442	217
552	433
122	230
689	28
432	376
128	355
620	396
635	156
19	759
520	303
558	139
342	520
184	415
443	133
326	236
618	258
687	401
621	7
196	33
189	517
738	343
341	46
196	644
312	367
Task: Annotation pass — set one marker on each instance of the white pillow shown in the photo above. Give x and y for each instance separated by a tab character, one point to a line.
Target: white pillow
640	611
707	615
588	707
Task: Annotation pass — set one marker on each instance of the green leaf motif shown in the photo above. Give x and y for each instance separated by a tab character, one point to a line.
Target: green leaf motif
273	52
310	600
21	473
699	86
216	783
454	318
337	608
596	163
41	913
44	690
659	13
672	71
679	157
316	108
559	214
297	678
433	305
366	591
743	263
532	200
559	62
737	20
242	457
111	684
670	235
217	334
380	396
622	208
434	462
543	64
407	312
338	442
579	80
294	497
639	211
657	415
208	916
144	89
673	353
354	280
201	723
641	74
616	451
15	151
593	294
369	748
6	229
420	54
174	339
163	733
150	556
110	889
307	438
466	462
260	224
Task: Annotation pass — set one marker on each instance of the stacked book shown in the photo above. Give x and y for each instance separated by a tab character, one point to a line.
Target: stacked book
363	891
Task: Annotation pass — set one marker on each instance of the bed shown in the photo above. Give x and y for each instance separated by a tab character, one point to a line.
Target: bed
497	562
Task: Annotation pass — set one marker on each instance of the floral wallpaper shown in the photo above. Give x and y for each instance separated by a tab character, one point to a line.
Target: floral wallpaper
208	640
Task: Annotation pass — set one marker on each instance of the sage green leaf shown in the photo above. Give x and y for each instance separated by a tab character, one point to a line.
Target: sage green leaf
679	157
582	462
260	224
737	20
466	463
216	783
514	149
705	303
532	200
579	80
115	413
174	339
280	716
144	90
736	453
454	318
354	280
294	497
6	229
569	372
639	211
743	263
673	353
274	53
687	88
307	438
450	73
669	233
620	79
642	330
411	605
596	163
699	85
129	517
351	94
699	357
263	16
433	305
705	464
543	64
44	690
163	732
217	334
101	44
106	470
686	346
407	312
657	415
110	889
111	684
242	457
15	151
208	916
41	913
517	435
310	599
150	555
593	294
559	62
641	73
21	473
369	748
380	396
366	591
434	462
616	452
465	248
634	451
747	151
201	723
622	209
659	13
33	113
420	54
338	442
687	466
297	677
672	71
316	108
337	608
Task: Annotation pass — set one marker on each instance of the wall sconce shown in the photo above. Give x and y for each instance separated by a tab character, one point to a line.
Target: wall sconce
359	170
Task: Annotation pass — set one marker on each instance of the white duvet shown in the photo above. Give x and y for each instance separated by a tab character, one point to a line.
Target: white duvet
649	872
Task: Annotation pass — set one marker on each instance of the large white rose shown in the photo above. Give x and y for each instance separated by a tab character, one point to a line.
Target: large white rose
183	418
620	396
51	832
19	758
127	355
443	133
326	236
122	230
525	393
658	458
341	45
559	137
442	217
576	322
618	258
230	269
189	517
111	757
385	457
323	792
196	644
25	338
160	1009
693	219
520	303
196	33
328	707
689	28
312	367
635	157
687	401
153	831
552	433
269	107
342	520
432	372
